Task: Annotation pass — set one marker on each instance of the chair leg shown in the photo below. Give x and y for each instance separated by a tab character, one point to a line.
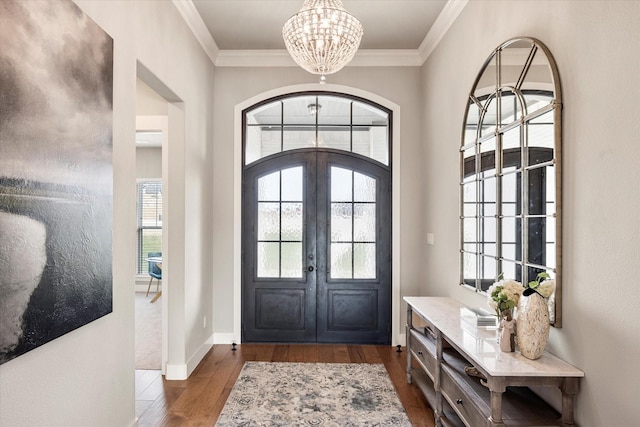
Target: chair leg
158	287
149	287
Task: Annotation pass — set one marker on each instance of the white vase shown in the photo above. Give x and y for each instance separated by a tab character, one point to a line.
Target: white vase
532	330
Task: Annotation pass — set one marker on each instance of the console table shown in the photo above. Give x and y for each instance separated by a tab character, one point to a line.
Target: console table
494	388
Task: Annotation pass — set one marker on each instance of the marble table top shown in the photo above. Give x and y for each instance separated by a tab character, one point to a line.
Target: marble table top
480	343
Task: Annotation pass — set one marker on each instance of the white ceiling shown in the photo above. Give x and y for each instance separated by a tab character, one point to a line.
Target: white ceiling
249	32
257	24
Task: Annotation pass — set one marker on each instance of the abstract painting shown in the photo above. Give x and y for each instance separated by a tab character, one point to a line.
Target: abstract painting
56	176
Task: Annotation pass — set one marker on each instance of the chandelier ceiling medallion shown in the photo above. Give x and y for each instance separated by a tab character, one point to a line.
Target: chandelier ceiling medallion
322	37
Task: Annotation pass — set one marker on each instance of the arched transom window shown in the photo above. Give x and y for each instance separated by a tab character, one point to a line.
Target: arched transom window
322	120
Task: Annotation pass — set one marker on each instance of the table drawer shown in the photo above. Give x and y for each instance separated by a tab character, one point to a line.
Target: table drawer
423	349
460	400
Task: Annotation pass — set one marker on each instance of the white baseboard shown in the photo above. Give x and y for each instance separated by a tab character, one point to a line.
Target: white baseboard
402	339
183	370
197	357
176	372
230	338
225	338
139	287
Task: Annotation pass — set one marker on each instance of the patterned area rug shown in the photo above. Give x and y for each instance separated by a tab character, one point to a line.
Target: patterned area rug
316	394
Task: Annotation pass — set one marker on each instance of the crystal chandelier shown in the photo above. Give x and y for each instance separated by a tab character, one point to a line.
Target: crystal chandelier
322	37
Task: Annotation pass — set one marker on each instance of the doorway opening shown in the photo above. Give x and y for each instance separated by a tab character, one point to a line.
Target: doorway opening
316	223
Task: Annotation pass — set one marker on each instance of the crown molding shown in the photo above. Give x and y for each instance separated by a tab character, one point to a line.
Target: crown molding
386	58
254	58
194	21
440	27
281	58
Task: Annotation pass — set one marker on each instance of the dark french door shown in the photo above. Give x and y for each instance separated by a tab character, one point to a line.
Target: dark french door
316	239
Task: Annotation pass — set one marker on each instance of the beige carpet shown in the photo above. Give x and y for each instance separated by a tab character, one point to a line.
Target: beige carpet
148	332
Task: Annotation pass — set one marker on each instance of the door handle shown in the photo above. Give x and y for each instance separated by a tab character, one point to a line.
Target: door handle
310	268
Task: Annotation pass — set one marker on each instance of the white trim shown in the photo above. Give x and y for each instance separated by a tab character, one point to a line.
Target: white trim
395	209
197	26
142	288
224	338
176	372
281	58
182	371
160	123
402	340
386	58
254	58
197	357
440	27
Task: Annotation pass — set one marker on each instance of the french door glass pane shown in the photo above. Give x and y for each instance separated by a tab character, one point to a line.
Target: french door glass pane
291	222
268	221
291	259
280	224
364	188
341	257
341	222
353	225
269	187
268	259
292	184
341	182
364	222
364	261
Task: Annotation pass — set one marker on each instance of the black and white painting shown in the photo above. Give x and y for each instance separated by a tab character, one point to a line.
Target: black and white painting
56	113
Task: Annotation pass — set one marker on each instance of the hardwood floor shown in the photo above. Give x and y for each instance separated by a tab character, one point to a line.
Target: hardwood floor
199	400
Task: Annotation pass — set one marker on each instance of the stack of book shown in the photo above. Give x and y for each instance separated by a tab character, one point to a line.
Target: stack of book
478	317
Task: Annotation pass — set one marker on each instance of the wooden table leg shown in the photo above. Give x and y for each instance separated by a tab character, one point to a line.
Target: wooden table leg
156	297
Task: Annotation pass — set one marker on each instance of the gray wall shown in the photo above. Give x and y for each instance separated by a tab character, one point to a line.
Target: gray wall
400	85
595	45
86	377
88	374
148	162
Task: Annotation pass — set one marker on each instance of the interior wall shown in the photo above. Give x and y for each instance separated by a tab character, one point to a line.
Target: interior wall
235	85
87	376
148	163
595	46
149	106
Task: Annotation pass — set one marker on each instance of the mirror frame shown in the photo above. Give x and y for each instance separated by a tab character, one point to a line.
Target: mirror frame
486	97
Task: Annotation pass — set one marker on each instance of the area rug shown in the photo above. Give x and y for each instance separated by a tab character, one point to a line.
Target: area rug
316	394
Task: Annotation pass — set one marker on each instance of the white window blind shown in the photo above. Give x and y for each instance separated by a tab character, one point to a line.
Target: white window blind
149	202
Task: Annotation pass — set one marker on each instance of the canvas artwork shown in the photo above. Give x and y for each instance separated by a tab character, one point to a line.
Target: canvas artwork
56	113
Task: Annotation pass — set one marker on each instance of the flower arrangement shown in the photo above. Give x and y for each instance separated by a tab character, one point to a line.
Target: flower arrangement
542	285
504	295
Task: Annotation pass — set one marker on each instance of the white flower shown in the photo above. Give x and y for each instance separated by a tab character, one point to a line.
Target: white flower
512	289
504	294
546	288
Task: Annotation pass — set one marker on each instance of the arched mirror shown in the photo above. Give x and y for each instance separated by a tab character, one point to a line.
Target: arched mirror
510	183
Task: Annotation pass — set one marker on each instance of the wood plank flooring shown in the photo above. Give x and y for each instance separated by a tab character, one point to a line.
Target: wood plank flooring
199	400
